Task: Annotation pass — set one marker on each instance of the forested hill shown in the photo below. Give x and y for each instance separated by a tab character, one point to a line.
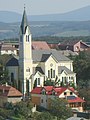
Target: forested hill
48	28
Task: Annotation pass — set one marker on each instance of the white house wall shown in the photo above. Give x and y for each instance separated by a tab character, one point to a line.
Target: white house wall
68	94
37	75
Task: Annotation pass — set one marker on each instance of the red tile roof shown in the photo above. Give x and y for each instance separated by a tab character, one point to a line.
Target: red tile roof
77	99
59	91
37	45
49	89
9	91
37	90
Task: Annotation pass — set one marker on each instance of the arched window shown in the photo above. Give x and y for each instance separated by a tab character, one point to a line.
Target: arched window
27	38
51	73
12	77
27	87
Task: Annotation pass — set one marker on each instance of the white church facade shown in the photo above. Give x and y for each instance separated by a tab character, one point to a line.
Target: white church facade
34	67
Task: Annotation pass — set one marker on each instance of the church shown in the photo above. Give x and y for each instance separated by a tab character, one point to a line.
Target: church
33	67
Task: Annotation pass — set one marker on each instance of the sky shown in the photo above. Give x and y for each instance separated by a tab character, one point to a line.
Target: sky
39	7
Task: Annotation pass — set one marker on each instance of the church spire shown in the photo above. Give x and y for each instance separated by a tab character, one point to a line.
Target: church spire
24	22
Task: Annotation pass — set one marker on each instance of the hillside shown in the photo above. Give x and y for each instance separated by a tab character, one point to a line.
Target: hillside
51	28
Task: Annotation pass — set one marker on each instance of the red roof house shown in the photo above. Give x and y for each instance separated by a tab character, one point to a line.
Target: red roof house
42	95
9	94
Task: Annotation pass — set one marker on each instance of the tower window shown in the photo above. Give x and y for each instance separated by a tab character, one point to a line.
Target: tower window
27	38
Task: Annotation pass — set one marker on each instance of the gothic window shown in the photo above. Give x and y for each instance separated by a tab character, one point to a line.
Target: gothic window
64	79
38	81
27	87
51	73
12	77
48	73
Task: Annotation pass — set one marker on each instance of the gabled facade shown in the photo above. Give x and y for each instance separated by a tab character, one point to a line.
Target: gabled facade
42	95
36	66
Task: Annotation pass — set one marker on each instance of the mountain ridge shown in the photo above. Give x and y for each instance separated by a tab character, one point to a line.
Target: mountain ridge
81	14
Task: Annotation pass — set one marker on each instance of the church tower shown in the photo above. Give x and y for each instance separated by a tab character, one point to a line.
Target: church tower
25	56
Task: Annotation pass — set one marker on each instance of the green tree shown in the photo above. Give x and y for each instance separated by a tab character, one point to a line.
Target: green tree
60	109
3	75
44	116
24	109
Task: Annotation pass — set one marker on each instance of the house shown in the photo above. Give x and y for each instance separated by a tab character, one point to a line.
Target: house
9	94
75	45
8	48
35	66
42	95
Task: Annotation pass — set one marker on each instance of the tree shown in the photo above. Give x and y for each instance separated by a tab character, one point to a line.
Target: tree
44	116
3	75
24	109
59	108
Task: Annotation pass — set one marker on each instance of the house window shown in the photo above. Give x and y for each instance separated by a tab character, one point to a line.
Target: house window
65	93
43	92
70	93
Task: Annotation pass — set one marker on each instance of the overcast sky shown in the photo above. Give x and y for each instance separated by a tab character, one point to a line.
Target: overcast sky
36	7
